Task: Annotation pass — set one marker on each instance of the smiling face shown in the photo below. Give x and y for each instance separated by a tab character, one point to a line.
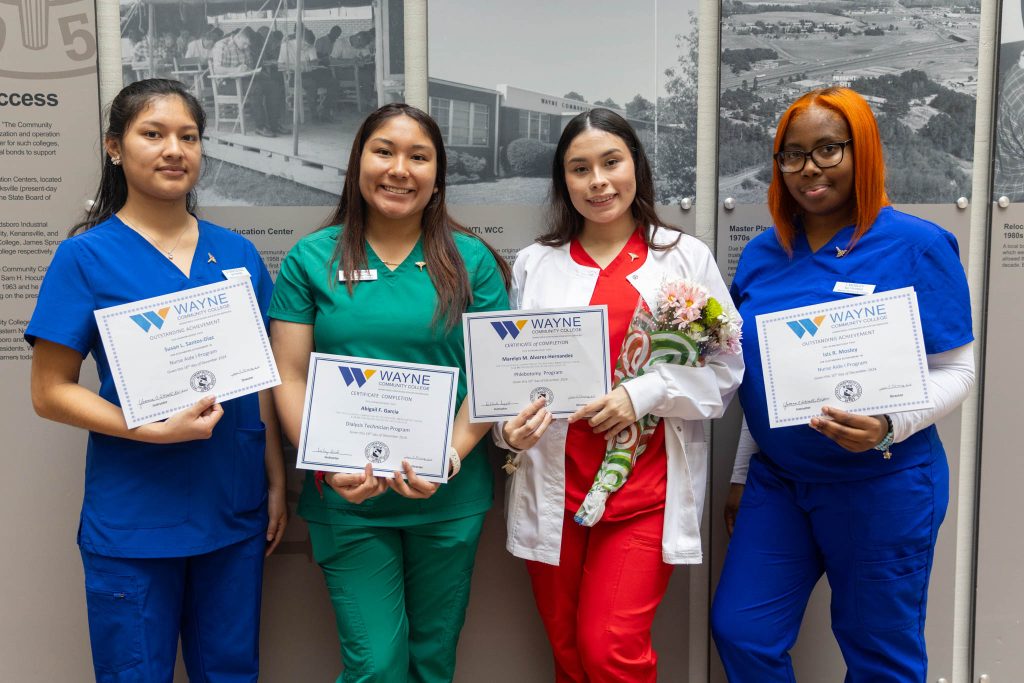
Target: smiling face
160	151
397	171
825	194
601	177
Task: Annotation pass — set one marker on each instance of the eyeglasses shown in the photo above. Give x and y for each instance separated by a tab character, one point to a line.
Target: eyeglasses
824	156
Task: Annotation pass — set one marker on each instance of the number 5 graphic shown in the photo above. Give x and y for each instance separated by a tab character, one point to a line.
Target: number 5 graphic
70	36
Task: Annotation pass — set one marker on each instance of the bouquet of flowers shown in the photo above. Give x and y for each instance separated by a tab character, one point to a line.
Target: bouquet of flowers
688	327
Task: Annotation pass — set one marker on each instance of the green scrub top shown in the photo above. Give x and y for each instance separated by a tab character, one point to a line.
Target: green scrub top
390	318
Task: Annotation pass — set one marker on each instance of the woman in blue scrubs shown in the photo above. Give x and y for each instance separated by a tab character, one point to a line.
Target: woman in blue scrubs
178	515
858	498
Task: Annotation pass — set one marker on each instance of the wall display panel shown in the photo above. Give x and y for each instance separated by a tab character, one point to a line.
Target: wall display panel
816	655
504	79
49	166
917	67
300	105
999	601
274	169
916	63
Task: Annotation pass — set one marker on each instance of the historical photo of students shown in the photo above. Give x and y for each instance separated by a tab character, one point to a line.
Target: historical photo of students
915	64
502	110
285	89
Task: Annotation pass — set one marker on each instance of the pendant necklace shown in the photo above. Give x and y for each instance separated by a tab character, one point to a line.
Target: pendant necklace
168	253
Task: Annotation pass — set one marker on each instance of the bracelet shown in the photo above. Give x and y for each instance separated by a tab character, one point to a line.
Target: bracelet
886	443
454	462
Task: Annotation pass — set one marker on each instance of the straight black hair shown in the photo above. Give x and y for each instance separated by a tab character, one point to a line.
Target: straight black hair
447	270
564	221
127	105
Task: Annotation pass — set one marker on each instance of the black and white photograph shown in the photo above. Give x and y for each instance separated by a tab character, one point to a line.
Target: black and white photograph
914	61
506	77
1008	179
285	85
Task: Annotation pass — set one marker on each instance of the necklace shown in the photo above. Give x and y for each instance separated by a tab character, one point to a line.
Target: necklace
168	253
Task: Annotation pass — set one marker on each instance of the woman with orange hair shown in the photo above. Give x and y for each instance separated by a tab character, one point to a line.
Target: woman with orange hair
858	498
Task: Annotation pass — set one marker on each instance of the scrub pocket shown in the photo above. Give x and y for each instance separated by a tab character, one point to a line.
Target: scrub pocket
250	478
147	489
115	622
891	593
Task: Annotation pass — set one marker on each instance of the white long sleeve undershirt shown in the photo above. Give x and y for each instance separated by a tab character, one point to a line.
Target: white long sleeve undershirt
950	377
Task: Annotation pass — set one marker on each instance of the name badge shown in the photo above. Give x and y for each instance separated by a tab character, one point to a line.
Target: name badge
231	273
359	275
853	288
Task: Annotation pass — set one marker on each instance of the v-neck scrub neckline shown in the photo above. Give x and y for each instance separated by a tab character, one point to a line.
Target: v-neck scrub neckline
162	255
373	261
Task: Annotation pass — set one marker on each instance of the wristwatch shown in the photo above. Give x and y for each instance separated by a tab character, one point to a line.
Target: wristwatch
454	462
886	443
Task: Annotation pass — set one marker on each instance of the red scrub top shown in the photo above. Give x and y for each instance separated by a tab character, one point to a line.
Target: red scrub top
644	491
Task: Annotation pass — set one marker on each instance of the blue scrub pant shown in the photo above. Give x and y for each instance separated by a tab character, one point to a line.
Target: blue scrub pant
874	539
139	606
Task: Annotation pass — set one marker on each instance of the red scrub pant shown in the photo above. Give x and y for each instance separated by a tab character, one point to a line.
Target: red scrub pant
598	604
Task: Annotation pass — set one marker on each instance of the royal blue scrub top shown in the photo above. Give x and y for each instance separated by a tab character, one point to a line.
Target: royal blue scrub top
156	500
899	250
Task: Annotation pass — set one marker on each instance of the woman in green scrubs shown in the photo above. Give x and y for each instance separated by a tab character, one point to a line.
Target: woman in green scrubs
390	279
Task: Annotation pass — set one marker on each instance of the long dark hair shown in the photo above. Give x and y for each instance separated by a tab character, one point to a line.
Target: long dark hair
564	221
128	104
446	268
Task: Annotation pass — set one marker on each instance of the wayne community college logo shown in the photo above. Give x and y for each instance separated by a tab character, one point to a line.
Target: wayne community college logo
356	375
508	328
806	325
151	319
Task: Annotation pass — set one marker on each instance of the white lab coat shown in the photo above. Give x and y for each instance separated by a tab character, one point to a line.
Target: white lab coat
547	277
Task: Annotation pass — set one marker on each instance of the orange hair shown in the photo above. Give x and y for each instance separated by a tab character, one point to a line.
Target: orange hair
868	163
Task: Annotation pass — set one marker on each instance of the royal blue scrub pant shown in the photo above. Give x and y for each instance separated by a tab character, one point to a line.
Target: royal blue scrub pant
138	608
874	539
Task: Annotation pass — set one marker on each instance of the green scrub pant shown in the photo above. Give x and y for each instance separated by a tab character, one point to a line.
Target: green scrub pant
399	596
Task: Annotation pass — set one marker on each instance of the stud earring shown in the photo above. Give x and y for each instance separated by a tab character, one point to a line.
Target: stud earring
116	161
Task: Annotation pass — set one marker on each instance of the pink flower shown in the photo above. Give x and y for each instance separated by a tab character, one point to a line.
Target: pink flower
685	299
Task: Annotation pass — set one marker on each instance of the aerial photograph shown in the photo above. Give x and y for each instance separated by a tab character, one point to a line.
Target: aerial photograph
915	61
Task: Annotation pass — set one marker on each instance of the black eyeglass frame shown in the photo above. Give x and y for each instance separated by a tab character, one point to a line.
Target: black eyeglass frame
808	155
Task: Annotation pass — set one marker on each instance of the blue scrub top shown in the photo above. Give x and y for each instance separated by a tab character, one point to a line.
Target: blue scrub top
899	250
156	500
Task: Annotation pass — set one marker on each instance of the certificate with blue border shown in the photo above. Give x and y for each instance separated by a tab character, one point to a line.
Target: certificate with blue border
167	352
363	410
863	355
515	357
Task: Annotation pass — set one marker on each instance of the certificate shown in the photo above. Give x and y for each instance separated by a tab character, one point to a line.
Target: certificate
863	355
167	352
360	410
515	357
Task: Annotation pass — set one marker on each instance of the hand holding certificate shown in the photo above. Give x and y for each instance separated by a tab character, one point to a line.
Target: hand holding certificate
515	357
863	355
360	411
167	352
